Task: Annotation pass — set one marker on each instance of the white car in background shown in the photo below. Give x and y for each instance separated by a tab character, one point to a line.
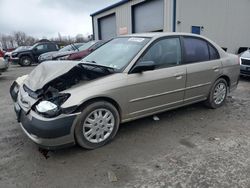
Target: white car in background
245	63
4	65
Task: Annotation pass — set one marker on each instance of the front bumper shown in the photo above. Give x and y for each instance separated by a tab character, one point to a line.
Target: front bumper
48	133
14	60
244	70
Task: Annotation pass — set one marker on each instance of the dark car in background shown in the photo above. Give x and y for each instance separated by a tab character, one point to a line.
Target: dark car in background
28	56
245	63
67	50
84	50
7	55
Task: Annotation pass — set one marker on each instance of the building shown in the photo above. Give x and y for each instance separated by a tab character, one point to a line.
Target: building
224	21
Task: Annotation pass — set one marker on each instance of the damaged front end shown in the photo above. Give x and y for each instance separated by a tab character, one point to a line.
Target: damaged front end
39	96
47	95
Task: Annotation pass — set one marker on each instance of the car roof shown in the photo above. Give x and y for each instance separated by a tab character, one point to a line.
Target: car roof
161	34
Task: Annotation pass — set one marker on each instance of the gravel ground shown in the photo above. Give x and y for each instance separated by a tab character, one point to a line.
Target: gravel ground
188	147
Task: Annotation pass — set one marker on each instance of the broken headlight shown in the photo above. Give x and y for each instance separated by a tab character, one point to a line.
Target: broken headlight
47	107
51	107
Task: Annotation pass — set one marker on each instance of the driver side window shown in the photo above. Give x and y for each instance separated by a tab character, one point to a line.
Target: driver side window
164	53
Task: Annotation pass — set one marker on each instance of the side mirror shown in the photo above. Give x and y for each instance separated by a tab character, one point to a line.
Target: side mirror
143	66
35	49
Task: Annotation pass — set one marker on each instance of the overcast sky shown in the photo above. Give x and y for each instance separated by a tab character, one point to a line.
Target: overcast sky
45	18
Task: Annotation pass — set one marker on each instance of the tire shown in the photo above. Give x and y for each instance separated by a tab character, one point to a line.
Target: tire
221	88
25	61
90	123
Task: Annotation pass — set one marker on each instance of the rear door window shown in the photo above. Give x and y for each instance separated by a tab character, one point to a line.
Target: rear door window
51	47
213	52
195	49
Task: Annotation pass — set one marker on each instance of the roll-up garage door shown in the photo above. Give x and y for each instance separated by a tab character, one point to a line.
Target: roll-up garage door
148	16
107	27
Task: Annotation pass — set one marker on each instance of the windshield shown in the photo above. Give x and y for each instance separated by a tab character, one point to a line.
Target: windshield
67	48
71	47
87	45
118	52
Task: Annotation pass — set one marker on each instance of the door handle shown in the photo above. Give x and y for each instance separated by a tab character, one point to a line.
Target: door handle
216	67
178	75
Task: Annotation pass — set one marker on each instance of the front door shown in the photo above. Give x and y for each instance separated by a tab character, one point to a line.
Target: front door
162	88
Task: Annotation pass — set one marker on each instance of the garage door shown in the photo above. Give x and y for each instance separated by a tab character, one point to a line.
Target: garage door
107	27
148	16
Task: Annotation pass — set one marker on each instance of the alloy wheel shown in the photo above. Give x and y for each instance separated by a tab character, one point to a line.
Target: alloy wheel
220	92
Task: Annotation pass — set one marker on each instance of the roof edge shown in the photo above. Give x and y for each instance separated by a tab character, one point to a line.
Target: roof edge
109	7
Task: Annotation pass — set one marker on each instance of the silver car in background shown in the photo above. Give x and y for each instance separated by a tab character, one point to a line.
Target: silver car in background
245	63
129	77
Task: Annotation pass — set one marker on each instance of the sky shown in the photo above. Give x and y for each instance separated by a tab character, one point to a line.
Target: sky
46	18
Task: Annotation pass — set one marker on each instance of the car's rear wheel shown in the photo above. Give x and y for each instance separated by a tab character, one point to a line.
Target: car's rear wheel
98	124
218	94
25	61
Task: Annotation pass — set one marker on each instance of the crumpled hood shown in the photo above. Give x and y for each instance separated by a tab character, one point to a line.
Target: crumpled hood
46	72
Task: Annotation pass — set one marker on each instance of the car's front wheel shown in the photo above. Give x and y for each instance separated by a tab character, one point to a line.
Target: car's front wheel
218	94
97	125
25	61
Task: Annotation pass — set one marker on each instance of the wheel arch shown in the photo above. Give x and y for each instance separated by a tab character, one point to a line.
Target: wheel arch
225	77
95	99
26	54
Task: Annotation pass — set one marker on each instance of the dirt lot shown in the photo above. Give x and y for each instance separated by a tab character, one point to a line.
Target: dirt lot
189	147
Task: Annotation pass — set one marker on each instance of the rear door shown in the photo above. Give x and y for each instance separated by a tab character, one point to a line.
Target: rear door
203	67
162	88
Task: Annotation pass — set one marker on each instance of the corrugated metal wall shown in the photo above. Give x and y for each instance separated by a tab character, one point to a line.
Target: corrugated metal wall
225	21
124	17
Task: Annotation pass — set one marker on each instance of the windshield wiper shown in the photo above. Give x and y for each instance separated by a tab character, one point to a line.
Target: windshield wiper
74	47
92	62
104	68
